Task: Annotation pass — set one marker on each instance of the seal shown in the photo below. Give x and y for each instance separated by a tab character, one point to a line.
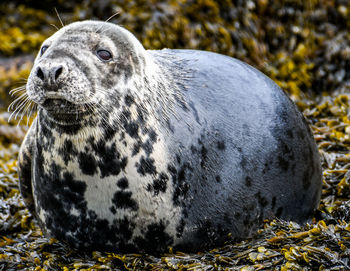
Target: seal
135	150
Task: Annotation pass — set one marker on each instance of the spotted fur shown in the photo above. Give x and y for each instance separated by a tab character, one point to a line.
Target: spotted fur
153	149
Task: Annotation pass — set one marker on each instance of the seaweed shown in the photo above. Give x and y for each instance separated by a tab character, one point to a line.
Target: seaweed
302	45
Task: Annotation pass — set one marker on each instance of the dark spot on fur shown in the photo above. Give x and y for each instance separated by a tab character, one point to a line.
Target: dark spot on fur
193	149
144	130
87	163
46	130
273	202
248	181
132	129
180	228
283	163
244	162
209	233
69	193
148	147
218	178
290	133
67	151
149	188
160	184
204	153
152	135
136	147
182	174
262	201
109	132
266	168
181	186
123	183
123	200
129	100
185	213
141	117
155	238
110	161
146	166
221	145
113	210
172	169
126	115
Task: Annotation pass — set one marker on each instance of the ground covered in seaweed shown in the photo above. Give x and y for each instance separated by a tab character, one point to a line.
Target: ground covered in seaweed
303	45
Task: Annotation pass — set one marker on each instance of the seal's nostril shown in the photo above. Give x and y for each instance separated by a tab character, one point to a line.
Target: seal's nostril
58	72
40	74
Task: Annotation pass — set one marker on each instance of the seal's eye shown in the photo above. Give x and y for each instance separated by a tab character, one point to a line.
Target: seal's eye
43	49
104	54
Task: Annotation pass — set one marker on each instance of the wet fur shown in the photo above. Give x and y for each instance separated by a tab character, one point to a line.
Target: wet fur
160	148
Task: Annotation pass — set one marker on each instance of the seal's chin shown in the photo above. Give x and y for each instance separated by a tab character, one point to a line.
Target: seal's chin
63	110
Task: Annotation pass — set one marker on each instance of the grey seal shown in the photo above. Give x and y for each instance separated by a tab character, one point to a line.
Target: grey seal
136	150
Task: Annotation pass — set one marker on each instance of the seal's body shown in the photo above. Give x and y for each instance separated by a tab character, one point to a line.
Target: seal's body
136	150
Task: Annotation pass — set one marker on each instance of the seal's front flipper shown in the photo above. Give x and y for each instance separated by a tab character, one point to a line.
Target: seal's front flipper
25	169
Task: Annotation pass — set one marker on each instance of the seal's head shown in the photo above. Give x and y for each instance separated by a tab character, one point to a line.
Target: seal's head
84	64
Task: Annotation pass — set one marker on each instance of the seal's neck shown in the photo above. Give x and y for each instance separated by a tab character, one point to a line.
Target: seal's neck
70	124
60	119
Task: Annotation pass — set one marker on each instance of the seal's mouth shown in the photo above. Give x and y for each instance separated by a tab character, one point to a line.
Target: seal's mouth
62	109
60	106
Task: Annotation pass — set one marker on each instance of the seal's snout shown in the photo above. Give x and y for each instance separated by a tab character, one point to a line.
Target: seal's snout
49	75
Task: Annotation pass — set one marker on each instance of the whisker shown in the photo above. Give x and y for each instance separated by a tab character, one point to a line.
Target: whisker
12	91
16	101
20	107
16	92
33	106
59	17
101	27
24	111
14	113
55	27
102	114
115	14
104	121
